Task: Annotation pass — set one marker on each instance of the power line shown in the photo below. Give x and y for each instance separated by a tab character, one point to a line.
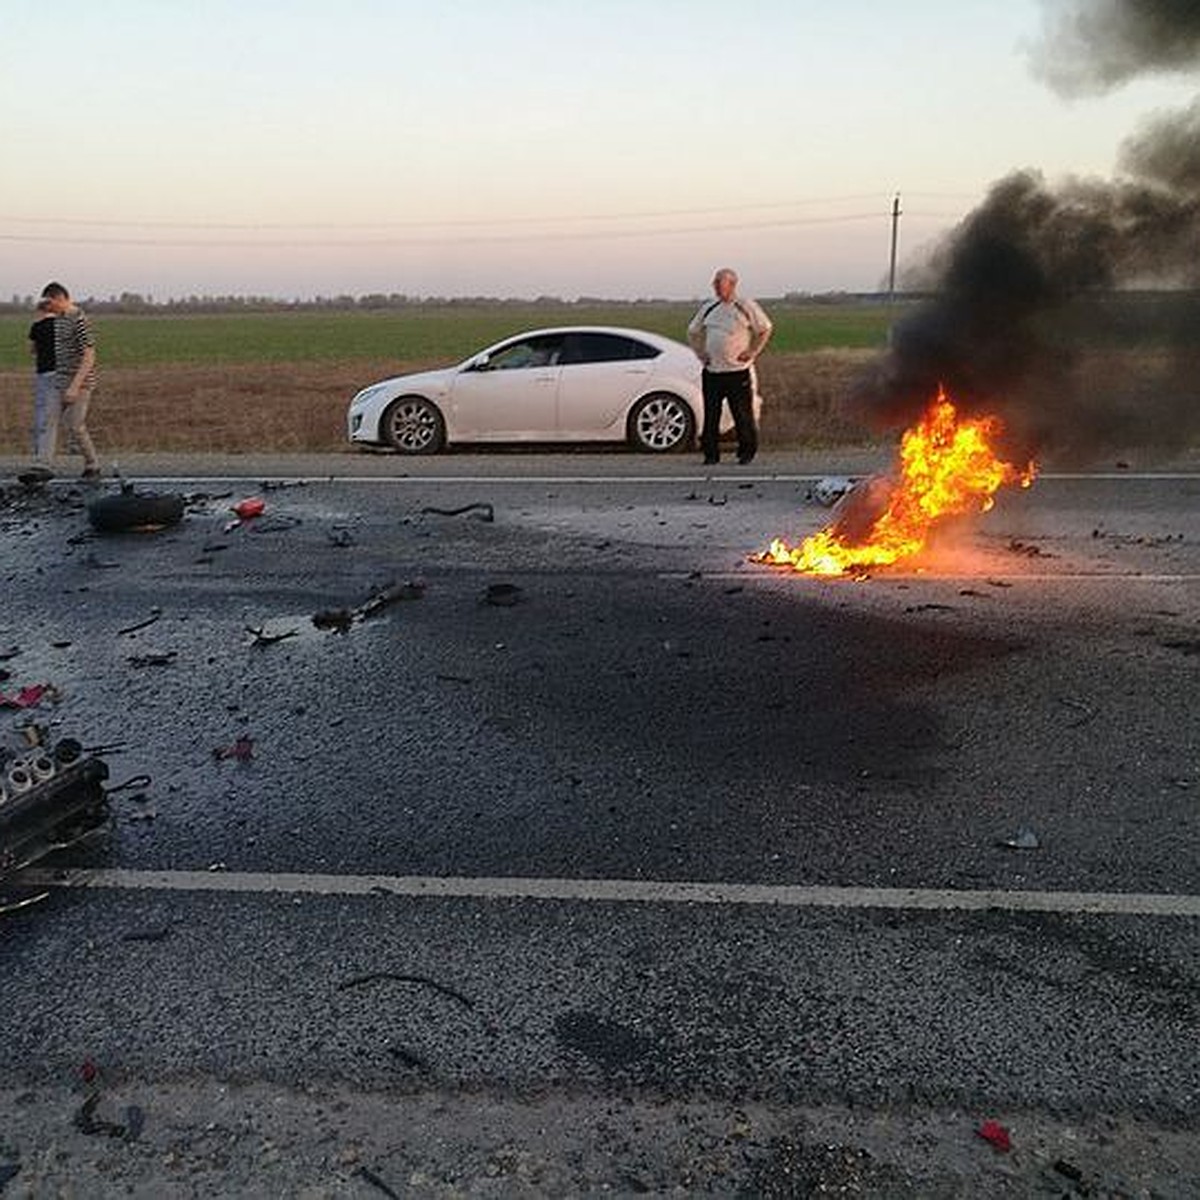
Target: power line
440	223
348	243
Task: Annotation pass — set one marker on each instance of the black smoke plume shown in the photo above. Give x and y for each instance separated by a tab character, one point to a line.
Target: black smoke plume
1048	306
1092	46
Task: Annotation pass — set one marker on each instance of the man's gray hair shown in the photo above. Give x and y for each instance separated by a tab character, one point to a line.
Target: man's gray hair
725	273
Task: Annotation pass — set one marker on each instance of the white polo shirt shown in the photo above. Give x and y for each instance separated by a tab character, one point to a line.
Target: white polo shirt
724	329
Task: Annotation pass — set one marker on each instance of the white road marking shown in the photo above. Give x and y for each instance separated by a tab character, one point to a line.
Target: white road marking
624	891
540	480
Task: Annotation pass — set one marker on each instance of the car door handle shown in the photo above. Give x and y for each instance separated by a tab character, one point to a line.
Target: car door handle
636	371
545	378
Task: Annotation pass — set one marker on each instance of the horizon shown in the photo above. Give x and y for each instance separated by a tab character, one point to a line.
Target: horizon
391	150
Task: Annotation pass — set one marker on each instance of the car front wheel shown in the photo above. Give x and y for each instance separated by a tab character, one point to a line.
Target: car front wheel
660	423
413	425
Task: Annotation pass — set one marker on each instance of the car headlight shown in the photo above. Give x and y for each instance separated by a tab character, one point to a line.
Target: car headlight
366	395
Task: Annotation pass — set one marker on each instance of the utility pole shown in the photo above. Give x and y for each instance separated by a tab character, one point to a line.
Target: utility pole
895	241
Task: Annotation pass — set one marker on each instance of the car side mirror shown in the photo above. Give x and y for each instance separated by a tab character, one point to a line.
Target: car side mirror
480	363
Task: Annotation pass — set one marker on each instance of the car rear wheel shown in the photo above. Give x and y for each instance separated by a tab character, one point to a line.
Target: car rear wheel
660	423
413	425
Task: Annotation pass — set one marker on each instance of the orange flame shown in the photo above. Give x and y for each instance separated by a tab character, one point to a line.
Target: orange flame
947	468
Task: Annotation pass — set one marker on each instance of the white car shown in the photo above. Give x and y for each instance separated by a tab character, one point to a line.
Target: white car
577	384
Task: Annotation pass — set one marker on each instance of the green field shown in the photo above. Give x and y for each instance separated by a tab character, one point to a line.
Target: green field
448	332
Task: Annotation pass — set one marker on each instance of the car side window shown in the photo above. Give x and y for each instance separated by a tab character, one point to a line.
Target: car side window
604	347
544	350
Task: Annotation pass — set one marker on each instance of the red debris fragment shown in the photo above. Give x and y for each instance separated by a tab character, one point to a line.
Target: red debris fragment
88	1071
996	1136
242	750
27	697
252	506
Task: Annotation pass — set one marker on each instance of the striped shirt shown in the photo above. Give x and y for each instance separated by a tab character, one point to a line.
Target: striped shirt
72	336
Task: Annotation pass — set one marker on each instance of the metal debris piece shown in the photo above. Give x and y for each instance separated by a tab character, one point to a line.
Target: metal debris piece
338	619
341	537
241	751
149	933
87	1122
396	977
341	619
155	615
1023	839
30	696
367	1174
503	595
263	638
486	511
995	1135
831	489
157	658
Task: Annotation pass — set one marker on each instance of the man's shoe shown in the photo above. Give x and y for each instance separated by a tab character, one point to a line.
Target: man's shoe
710	462
91	475
745	458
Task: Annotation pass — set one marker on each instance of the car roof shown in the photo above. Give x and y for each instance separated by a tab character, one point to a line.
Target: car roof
641	335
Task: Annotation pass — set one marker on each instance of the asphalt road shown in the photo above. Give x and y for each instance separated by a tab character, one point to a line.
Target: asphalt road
654	710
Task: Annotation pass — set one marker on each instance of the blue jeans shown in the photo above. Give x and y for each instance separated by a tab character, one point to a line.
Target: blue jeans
47	409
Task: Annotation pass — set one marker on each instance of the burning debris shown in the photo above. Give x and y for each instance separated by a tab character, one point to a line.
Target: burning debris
947	467
1029	295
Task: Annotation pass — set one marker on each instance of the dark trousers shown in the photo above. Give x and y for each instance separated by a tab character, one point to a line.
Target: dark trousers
736	387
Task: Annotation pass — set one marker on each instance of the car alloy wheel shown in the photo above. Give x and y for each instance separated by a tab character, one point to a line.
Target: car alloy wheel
661	422
414	426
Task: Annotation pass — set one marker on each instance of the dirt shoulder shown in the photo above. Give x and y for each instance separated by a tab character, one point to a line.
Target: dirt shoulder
204	1137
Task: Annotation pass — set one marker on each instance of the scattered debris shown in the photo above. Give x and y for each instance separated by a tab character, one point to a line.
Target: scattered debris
155	615
341	537
87	1122
995	1135
338	619
1023	839
263	638
1028	550
486	511
274	524
150	933
367	1174
8	1172
999	583
100	564
394	593
973	592
929	607
503	595
249	508
395	977
445	678
341	619
241	751
1068	1170
830	490
30	697
155	658
132	511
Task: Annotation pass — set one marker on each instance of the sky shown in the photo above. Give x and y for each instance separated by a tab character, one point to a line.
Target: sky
621	148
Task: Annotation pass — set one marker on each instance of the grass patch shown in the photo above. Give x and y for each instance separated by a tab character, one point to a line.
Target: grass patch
442	334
